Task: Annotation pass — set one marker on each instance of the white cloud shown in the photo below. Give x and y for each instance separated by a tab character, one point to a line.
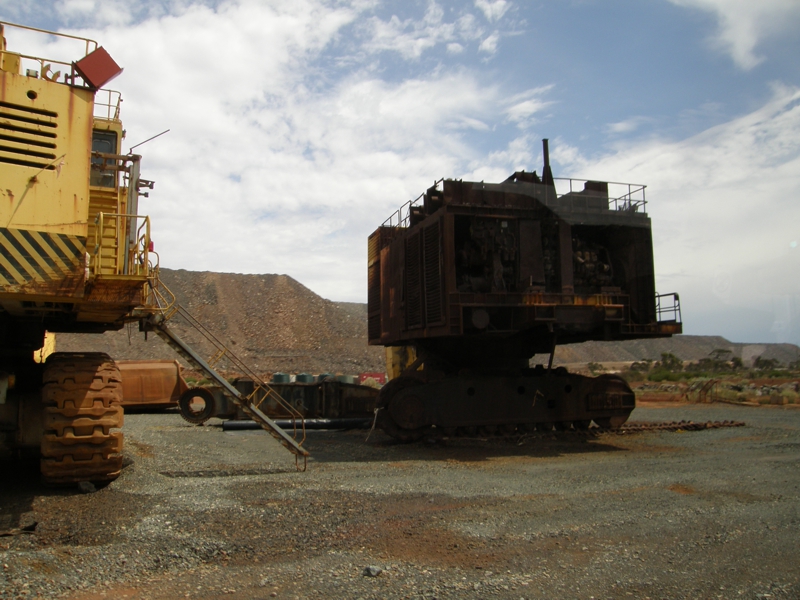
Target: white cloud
520	154
489	45
628	125
742	24
521	108
16	11
725	208
105	12
493	10
411	38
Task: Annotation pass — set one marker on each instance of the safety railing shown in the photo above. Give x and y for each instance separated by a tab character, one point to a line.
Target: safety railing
107	104
50	69
402	216
621	196
156	297
115	252
668	308
160	301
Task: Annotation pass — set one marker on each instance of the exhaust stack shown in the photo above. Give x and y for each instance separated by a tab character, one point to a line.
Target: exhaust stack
547	174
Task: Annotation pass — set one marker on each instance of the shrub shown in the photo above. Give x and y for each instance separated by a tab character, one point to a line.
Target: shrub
670	362
641	366
595	368
766	364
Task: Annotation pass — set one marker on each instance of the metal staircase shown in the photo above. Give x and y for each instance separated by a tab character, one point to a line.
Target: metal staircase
160	307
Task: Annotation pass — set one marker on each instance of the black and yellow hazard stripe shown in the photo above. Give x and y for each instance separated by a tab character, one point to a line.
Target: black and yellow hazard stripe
34	256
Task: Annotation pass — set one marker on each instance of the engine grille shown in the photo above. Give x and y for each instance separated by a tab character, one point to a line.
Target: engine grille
27	136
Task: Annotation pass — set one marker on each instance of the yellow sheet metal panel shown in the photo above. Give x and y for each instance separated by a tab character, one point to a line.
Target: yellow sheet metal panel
10	62
47	349
40	263
44	155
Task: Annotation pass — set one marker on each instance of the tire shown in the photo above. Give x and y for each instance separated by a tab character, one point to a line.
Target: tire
189	412
385	420
81	396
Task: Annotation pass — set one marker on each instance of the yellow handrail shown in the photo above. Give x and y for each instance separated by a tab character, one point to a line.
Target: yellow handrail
136	262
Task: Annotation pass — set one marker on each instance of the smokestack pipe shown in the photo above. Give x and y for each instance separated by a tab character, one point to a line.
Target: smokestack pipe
547	174
546	152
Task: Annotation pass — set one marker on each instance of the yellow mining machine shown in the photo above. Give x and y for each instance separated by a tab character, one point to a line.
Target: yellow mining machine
75	256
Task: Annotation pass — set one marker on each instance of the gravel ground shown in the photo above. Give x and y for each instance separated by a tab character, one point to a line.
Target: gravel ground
202	513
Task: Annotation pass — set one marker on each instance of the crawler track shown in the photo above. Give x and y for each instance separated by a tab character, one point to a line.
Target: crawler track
81	397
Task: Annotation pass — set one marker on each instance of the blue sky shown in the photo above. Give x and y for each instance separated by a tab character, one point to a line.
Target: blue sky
298	126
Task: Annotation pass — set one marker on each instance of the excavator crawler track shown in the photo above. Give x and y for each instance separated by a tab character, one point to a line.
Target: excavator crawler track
81	397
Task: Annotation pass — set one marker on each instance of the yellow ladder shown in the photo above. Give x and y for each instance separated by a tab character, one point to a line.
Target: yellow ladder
105	200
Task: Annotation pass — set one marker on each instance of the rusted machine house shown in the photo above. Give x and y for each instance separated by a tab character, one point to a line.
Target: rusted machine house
478	277
473	262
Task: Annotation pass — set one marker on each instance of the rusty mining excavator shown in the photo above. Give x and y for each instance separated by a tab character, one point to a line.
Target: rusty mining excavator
472	279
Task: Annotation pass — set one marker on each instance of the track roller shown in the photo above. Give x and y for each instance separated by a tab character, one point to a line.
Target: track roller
401	418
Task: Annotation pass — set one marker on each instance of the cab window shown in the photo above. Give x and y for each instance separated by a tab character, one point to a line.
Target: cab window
106	142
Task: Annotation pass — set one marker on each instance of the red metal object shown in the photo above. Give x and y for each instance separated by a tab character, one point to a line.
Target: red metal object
376	377
97	68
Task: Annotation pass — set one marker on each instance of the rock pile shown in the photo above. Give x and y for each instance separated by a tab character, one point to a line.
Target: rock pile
272	322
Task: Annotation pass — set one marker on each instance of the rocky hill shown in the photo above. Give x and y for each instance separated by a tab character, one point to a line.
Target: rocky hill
274	323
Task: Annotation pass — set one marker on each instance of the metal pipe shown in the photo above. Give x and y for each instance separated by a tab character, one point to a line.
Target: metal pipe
344	423
546	152
547	173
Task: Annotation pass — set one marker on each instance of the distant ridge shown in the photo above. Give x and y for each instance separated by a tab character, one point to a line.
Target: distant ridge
685	347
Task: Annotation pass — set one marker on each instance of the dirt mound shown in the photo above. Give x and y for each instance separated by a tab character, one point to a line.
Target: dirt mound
272	322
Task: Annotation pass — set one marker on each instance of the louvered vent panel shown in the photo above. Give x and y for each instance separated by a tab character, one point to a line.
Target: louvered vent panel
433	275
374	273
374	327
413	291
27	136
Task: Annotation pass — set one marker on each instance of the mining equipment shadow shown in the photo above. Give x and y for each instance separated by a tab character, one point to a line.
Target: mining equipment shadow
349	446
22	484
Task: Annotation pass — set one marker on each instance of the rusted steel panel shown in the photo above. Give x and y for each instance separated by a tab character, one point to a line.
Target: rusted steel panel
500	242
565	256
123	291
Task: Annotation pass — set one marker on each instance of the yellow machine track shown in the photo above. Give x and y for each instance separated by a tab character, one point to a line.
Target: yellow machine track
81	397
